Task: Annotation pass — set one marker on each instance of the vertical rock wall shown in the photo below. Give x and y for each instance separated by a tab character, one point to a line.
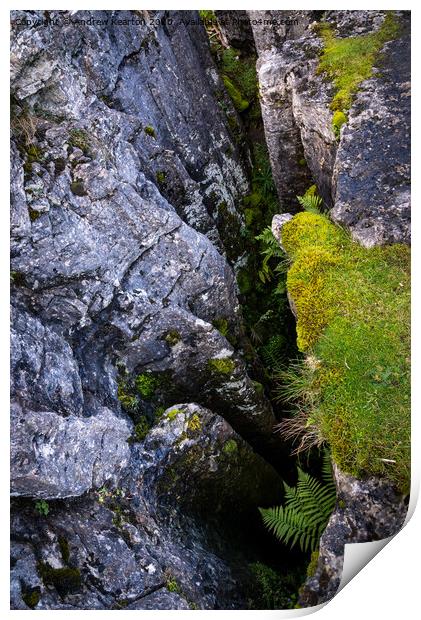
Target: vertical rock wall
364	177
124	170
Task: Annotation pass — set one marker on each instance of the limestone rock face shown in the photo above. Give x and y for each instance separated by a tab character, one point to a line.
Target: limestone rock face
133	87
123	171
366	510
363	178
53	456
106	127
371	176
165	538
236	29
295	104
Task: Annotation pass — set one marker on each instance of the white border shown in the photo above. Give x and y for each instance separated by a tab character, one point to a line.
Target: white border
388	586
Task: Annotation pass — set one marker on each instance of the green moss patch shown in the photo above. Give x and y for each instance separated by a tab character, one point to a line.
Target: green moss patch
239	102
31	597
150	131
141	429
33	214
241	71
146	384
172	414
173	586
339	118
172	337
353	322
347	62
312	567
221	325
194	424
223	365
65	580
79	138
33	154
230	447
77	188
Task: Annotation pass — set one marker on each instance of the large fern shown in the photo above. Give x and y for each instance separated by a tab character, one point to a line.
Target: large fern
304	516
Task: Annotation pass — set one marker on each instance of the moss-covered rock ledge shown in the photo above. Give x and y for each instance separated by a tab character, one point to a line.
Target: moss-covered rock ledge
353	324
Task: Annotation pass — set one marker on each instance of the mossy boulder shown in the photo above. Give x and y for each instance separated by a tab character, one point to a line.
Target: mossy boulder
195	448
352	306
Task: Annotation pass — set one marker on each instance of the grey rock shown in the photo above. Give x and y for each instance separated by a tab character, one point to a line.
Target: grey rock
278	221
236	29
106	266
124	176
54	457
161	599
296	118
364	179
171	522
366	510
372	169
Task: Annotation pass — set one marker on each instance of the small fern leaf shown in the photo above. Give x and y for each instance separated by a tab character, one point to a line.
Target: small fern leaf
310	203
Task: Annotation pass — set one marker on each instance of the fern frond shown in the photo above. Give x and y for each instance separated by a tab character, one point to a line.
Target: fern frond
270	243
290	527
273	353
310	203
303	518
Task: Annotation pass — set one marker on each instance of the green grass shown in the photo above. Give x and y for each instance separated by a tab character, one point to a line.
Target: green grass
353	322
348	62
